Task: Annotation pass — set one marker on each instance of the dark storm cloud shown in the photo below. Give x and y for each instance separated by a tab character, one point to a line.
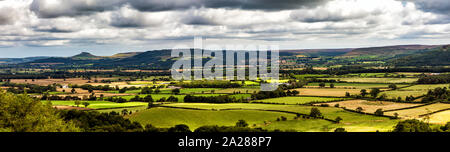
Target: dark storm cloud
274	5
52	9
53	30
435	6
57	8
198	20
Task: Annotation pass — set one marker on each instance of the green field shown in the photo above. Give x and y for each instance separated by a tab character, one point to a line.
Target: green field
299	100
99	104
351	121
425	87
169	117
197	90
357	85
302	76
415	90
394	94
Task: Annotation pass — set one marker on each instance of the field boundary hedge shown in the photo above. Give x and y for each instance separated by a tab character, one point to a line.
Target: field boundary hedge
351	110
434	112
425	104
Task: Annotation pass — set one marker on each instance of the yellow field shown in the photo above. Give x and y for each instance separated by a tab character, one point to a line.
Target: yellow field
326	91
440	117
415	112
371	106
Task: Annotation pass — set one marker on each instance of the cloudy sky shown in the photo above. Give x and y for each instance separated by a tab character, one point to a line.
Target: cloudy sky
105	27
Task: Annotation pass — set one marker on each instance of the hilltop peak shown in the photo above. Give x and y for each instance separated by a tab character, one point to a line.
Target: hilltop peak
84	55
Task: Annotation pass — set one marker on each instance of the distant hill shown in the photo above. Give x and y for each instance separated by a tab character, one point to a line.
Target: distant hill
20	60
158	59
85	56
439	56
389	50
161	59
123	55
315	52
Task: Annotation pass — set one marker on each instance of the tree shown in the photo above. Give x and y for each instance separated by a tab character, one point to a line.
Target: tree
393	86
73	91
359	109
148	98
379	112
321	84
395	115
382	96
374	92
146	90
331	85
124	112
340	130
150	105
338	119
295	92
157	90
123	90
412	125
77	103
241	123
179	128
85	104
363	92
347	94
315	112
176	91
21	113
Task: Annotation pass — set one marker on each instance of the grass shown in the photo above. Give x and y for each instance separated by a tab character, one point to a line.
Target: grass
99	104
302	76
355	85
169	117
242	90
425	87
415	112
351	121
298	100
394	94
197	90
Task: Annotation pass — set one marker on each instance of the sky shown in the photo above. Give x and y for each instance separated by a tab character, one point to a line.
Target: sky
105	27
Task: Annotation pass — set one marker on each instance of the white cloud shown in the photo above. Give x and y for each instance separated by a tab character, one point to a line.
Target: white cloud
101	22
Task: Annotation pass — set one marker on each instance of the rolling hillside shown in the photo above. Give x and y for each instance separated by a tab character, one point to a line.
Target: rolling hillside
389	50
439	56
404	55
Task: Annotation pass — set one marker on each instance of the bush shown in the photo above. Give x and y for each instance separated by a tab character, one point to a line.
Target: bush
412	125
340	130
315	112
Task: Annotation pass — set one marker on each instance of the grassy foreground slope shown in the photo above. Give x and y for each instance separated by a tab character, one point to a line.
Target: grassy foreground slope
168	117
221	114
